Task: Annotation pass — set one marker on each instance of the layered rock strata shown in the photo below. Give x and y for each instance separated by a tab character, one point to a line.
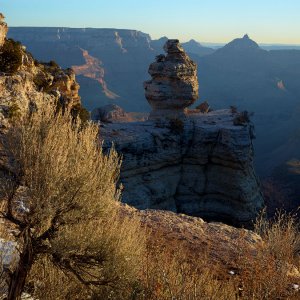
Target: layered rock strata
201	166
33	85
174	84
197	163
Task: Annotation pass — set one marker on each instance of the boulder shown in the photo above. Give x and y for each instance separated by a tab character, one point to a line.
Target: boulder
109	113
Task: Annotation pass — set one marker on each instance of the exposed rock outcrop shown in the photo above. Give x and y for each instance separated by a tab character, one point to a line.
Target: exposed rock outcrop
22	89
174	84
93	69
34	84
110	113
3	30
203	167
219	243
200	165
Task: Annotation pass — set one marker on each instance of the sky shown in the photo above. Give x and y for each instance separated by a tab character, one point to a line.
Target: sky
219	21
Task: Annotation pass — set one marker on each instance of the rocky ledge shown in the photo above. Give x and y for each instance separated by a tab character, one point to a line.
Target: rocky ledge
200	166
194	162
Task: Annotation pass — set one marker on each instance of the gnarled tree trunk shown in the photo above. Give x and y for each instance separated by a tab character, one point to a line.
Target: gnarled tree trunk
18	277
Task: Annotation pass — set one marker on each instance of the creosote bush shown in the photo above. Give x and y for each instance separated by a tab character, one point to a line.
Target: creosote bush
11	55
60	191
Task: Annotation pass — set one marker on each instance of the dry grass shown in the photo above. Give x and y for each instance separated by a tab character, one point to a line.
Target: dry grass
265	272
71	218
172	275
281	236
85	248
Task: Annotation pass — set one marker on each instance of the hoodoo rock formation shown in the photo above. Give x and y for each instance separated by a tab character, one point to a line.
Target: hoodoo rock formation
200	165
174	84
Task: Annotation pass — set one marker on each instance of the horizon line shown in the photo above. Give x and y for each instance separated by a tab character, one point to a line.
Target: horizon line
185	41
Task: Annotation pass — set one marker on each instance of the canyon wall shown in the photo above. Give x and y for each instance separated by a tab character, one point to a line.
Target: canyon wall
182	160
205	170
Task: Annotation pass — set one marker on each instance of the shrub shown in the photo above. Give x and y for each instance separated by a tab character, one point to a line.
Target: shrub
78	111
13	112
204	107
281	235
233	109
42	81
261	272
242	118
176	126
53	64
172	275
72	218
11	55
266	273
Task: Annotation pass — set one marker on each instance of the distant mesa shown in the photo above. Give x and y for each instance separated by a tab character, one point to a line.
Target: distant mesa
174	83
194	47
244	45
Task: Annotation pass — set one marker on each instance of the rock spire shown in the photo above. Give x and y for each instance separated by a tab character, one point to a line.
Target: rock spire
174	83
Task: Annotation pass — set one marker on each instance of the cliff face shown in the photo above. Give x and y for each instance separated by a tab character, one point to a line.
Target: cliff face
200	164
206	170
26	87
110	63
33	84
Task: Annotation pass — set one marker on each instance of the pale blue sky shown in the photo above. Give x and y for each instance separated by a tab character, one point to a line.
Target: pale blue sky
268	21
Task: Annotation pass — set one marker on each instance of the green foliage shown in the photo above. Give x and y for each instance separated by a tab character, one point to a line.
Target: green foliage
42	81
11	56
176	126
53	64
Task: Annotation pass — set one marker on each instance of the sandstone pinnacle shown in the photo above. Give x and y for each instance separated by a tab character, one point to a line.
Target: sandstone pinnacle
174	83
